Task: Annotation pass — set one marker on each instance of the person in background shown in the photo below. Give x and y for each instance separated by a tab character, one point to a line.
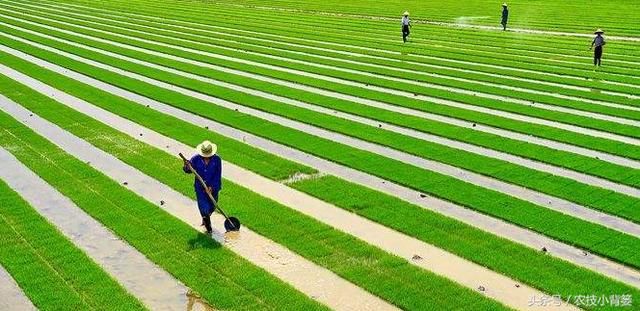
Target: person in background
505	16
209	166
406	24
598	42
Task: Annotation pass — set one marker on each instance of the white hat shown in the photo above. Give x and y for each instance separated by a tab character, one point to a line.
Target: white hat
406	13
206	149
599	31
504	4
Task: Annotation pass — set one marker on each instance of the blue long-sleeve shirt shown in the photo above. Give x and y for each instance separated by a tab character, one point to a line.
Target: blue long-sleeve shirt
211	173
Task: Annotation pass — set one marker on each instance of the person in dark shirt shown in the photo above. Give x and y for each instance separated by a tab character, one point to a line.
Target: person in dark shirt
598	42
209	166
505	16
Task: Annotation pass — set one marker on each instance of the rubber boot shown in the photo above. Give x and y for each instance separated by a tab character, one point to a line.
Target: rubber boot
207	224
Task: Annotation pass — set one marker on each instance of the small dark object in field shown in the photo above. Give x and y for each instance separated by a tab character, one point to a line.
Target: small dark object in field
236	109
422	195
140	134
416	257
585	253
232	224
161	202
125	183
147	106
481	288
31	114
415	94
207	127
532	102
474	125
597	158
379	125
544	249
517	285
167	147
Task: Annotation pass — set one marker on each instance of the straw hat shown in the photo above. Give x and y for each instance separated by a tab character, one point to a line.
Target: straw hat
206	149
504	4
406	13
599	31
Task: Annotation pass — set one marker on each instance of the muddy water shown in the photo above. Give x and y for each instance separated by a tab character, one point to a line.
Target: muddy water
149	283
317	282
11	296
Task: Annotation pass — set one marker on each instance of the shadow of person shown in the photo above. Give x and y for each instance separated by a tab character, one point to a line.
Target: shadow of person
202	240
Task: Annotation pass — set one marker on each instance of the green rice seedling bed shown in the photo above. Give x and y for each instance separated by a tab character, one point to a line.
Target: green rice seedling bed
603	241
279	20
387	276
404	86
222	278
541	131
53	273
251	44
593	197
519	262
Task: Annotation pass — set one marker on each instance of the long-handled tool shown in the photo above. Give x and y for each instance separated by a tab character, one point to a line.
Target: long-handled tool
230	223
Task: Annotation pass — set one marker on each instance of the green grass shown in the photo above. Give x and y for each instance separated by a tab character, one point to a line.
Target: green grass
52	272
389	277
523	213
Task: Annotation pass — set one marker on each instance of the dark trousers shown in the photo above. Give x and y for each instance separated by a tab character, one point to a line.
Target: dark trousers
597	56
405	32
206	218
504	25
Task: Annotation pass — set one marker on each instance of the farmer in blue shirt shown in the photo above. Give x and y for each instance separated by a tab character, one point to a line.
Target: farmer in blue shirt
505	16
209	166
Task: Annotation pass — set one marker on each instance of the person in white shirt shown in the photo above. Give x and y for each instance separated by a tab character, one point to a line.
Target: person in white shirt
598	42
406	24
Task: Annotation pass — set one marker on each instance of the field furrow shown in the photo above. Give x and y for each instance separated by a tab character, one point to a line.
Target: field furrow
466	168
126	265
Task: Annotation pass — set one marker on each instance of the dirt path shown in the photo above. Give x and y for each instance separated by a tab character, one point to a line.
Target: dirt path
498	227
123	262
313	280
11	296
